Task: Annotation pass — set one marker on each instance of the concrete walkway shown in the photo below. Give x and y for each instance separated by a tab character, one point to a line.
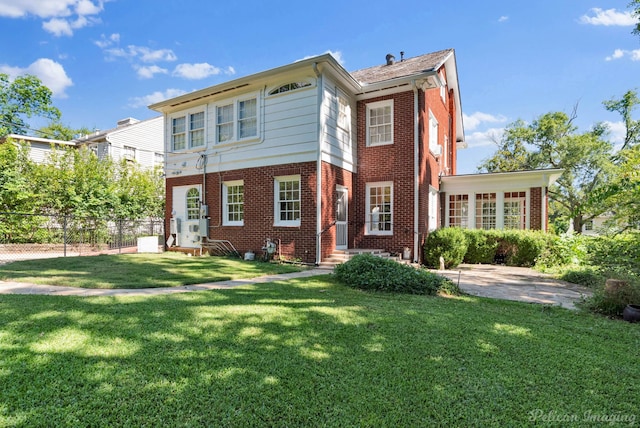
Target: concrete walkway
499	282
516	283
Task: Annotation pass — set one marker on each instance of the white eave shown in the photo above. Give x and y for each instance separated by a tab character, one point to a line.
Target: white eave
498	181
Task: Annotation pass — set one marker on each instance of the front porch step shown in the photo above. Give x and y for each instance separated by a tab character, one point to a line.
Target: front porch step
342	256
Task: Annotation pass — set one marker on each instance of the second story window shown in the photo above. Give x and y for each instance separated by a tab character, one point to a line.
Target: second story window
196	129
187	131
178	137
380	123
129	153
237	120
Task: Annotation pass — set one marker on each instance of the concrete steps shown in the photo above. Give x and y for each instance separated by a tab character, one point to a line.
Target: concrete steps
342	256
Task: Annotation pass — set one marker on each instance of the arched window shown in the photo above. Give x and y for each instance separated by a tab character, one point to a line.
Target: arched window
292	86
193	204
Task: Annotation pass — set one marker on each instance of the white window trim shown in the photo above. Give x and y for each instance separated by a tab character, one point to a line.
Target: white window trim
225	203
434	205
374	105
308	84
433	136
276	200
236	128
368	229
187	131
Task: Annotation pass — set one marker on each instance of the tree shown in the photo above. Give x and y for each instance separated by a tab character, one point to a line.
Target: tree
139	191
625	106
635	11
57	131
23	98
552	141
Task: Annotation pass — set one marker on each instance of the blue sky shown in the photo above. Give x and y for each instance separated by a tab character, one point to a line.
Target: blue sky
108	60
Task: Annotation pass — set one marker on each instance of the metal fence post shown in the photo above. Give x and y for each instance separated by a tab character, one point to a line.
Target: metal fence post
119	235
64	235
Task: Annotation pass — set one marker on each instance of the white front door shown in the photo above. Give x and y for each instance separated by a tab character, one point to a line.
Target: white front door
342	217
186	208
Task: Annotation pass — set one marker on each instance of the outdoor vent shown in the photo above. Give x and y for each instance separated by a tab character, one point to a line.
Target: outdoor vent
390	59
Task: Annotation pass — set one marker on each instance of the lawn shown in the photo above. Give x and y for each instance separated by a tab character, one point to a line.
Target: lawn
168	269
311	352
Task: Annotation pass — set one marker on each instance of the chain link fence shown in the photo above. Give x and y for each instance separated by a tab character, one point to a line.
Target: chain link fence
36	236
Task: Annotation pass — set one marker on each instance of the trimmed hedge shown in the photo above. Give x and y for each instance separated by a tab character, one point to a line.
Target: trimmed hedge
450	243
368	272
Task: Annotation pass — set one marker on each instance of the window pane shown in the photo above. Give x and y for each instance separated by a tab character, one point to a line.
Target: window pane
193	204
289	200
196	129
380	125
235	203
380	208
178	133
247	120
225	123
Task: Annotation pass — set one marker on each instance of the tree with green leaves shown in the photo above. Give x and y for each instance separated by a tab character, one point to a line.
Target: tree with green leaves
635	11
21	99
552	141
57	131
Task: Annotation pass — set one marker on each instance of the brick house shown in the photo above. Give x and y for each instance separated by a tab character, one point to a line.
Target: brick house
317	159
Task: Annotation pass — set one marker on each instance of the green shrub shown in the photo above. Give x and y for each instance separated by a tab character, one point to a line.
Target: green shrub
586	276
449	243
619	254
481	246
368	272
611	300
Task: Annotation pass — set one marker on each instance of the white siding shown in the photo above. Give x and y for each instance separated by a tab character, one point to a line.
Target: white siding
288	133
146	137
338	146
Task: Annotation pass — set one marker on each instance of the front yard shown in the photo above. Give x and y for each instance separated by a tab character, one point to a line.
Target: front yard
311	352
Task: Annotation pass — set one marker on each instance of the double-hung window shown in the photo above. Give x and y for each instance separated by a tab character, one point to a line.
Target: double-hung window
237	120
379	206
233	203
433	134
380	123
187	131
287	200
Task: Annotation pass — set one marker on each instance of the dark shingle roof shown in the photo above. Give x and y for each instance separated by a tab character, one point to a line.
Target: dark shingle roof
408	67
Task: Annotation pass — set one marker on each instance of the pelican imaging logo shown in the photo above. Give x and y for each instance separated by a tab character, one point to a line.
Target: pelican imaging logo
539	415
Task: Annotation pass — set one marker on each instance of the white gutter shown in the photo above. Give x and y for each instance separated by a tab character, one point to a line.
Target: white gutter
416	172
319	168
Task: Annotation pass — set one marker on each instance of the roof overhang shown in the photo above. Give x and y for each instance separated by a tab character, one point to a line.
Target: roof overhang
317	64
499	181
29	139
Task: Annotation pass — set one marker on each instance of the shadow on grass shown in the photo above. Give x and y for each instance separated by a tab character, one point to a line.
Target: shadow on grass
305	352
135	270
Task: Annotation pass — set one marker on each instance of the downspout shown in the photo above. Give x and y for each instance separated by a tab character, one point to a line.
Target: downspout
319	169
416	172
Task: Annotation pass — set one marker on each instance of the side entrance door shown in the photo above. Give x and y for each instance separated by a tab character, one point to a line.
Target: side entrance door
342	218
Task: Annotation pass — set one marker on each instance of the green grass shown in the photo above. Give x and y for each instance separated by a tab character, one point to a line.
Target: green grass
135	270
311	352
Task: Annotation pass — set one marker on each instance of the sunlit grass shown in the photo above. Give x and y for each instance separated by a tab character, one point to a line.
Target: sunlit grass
135	270
308	352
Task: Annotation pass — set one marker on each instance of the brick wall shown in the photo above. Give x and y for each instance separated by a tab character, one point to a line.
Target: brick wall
536	221
294	242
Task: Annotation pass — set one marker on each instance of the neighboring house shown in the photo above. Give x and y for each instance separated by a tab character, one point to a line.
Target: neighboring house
39	148
317	159
134	140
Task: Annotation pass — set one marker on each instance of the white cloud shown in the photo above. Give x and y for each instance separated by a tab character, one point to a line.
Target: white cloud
140	53
617	132
62	16
51	74
105	41
336	54
477	118
621	53
147	72
485	138
155	97
196	71
608	17
503	19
